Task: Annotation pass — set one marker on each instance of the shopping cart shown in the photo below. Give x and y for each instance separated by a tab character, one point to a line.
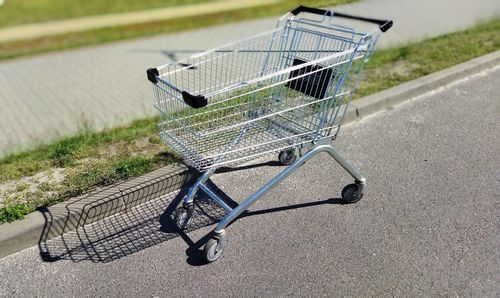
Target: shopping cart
284	91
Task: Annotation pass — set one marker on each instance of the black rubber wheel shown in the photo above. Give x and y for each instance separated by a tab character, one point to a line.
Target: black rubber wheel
352	193
252	114
287	157
184	216
214	248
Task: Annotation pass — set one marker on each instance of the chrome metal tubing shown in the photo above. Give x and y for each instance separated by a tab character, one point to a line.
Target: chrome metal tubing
354	172
188	199
211	194
282	88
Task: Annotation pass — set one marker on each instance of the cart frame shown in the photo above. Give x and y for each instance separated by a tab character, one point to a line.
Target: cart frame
291	155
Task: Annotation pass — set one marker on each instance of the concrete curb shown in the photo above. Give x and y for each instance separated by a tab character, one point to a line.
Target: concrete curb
393	96
68	216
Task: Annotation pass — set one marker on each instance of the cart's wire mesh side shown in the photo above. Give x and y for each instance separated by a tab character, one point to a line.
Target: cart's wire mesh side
277	90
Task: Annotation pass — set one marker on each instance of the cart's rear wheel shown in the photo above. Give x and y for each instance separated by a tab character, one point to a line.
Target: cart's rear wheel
184	216
287	157
252	114
352	193
214	248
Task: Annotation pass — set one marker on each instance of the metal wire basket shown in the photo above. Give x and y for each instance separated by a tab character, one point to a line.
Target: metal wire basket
278	91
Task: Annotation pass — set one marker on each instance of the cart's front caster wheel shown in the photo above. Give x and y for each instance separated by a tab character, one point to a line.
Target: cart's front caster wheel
287	157
214	248
352	193
184	216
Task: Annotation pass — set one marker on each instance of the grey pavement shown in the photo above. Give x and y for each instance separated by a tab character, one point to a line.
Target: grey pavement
50	95
427	226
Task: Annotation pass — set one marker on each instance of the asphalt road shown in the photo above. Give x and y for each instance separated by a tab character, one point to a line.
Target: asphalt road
427	226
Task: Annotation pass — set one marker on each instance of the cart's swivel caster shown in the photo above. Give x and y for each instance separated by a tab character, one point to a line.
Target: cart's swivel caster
288	156
353	192
252	114
184	216
214	248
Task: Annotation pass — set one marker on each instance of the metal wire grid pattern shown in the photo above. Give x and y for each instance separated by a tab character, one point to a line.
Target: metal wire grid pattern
250	141
254	108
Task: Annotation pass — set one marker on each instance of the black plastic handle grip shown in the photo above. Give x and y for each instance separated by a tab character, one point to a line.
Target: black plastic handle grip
195	101
384	25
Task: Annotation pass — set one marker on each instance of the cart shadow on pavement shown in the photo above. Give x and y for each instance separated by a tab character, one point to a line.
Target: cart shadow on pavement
123	233
195	249
145	225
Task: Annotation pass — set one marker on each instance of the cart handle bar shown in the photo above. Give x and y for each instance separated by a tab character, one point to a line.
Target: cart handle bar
195	101
384	25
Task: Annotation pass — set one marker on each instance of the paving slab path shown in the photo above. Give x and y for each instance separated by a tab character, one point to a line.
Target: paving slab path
56	94
428	224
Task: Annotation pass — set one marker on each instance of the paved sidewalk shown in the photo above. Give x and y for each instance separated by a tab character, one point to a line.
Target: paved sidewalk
54	94
427	226
108	20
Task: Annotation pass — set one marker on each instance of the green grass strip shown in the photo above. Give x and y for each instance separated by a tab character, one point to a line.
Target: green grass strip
15	211
392	67
16	12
